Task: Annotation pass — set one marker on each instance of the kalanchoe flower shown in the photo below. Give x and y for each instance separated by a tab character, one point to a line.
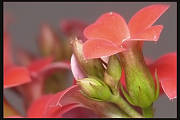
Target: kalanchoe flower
110	31
13	75
110	35
29	77
73	28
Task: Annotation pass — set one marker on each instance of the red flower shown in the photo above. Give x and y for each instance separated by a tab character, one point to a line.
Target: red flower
73	27
17	75
13	75
166	66
60	105
110	31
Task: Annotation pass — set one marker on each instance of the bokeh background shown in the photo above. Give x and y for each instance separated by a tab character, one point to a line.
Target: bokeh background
28	17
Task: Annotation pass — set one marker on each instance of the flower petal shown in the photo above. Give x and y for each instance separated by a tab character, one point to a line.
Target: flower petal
145	17
15	76
75	68
39	64
66	108
97	48
71	27
37	108
150	34
80	112
166	67
61	99
110	26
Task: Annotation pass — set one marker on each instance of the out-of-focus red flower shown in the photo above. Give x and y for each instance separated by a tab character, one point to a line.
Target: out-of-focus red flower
17	75
110	31
73	27
13	75
39	64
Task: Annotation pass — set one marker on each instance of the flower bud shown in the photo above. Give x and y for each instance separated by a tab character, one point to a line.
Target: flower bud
139	81
91	67
49	42
114	68
108	79
95	89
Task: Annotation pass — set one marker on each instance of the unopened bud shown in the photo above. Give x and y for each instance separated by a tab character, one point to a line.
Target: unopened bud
114	68
91	67
95	89
139	81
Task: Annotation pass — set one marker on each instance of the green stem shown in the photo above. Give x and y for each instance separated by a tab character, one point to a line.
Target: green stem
148	112
118	100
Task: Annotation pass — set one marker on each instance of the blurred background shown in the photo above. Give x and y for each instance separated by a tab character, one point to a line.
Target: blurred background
27	18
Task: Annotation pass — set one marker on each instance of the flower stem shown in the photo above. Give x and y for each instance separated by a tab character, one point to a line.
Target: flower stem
118	100
148	112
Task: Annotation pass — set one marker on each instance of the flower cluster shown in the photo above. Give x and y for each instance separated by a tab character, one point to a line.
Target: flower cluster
112	78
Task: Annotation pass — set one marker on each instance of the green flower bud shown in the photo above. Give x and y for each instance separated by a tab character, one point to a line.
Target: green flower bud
95	89
108	79
114	68
91	67
139	81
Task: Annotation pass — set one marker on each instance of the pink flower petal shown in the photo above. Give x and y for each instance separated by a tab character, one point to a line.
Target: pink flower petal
80	112
97	48
39	107
145	17
15	76
61	99
150	34
39	64
36	110
70	27
166	67
75	68
110	26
